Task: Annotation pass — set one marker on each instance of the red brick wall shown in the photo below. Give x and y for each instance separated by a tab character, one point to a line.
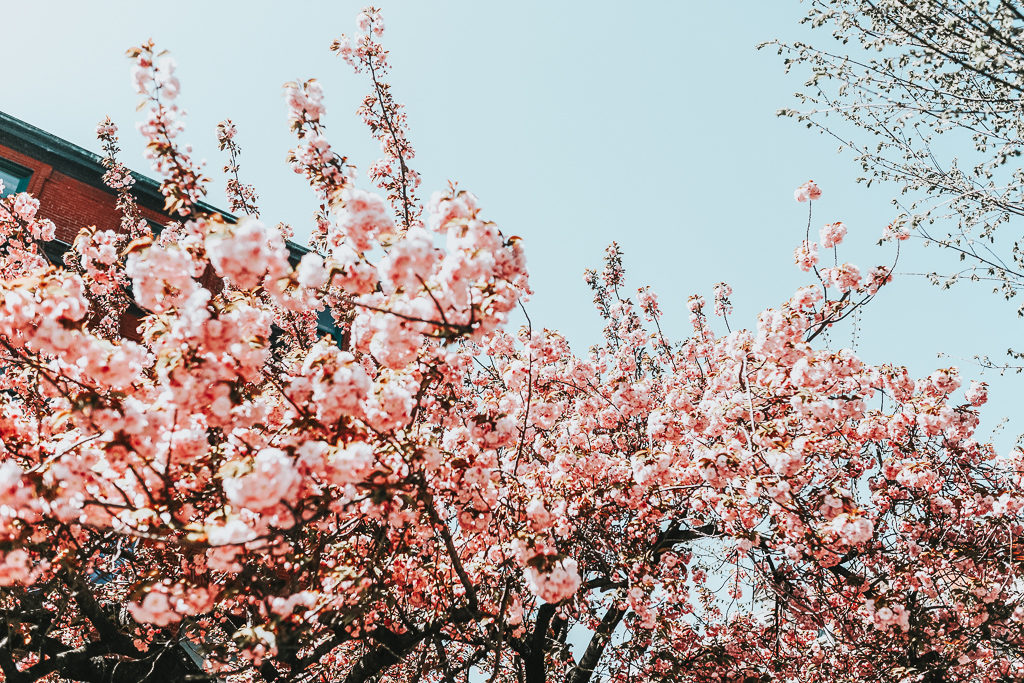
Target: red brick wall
70	203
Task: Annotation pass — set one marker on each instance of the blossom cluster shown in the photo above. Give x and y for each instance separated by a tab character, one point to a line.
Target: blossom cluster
241	197
383	116
155	80
327	172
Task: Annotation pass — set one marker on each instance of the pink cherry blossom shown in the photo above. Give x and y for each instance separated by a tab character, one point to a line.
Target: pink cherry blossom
557	582
832	234
273	480
806	192
361	218
806	255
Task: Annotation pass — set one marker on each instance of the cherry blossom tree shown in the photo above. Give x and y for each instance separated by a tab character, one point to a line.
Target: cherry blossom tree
435	496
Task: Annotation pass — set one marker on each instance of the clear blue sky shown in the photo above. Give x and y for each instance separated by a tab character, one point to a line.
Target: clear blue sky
576	123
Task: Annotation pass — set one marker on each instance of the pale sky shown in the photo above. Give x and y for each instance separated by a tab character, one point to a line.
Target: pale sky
575	123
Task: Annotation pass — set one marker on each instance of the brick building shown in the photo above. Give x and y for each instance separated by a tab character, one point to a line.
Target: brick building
68	182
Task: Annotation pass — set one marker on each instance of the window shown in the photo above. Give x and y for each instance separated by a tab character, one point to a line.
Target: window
14	177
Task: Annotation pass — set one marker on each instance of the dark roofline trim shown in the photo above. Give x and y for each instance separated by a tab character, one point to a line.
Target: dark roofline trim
78	162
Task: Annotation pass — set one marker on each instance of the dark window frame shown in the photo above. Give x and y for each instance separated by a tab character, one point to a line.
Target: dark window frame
23	173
